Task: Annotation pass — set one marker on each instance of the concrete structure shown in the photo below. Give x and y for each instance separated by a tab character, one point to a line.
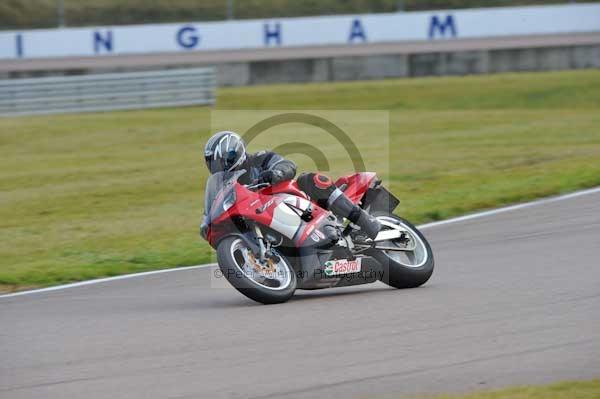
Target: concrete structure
347	62
449	58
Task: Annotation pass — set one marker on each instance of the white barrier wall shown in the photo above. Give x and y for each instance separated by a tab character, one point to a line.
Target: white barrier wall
290	32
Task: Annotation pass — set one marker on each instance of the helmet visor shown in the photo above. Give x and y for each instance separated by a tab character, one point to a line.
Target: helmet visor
213	165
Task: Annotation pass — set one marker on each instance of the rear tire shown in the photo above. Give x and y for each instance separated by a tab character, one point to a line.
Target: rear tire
228	257
401	274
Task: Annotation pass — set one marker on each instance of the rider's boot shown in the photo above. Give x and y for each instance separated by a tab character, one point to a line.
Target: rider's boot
340	205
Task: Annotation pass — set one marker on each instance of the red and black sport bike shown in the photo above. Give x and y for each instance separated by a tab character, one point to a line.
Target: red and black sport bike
272	240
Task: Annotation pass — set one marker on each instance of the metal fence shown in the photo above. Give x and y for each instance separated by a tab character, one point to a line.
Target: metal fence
106	92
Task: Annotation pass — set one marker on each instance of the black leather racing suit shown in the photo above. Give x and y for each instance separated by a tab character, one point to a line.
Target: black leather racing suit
268	167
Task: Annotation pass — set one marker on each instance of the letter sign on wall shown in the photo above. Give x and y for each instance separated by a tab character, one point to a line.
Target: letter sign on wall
294	32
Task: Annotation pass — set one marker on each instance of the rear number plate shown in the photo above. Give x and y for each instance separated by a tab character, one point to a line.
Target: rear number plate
342	266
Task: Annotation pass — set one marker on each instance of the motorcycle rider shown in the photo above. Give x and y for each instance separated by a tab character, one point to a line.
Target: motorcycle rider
226	151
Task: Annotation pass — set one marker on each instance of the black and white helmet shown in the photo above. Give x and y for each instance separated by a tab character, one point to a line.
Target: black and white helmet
224	151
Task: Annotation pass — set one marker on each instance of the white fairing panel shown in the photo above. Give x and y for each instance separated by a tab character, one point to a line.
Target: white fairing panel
285	220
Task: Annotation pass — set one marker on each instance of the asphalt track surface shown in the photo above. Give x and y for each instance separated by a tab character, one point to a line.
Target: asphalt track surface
515	299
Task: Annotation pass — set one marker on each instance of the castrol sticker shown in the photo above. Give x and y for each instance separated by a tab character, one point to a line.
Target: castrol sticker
342	266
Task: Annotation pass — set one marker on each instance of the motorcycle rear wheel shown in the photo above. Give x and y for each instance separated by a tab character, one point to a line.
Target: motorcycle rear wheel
274	283
408	269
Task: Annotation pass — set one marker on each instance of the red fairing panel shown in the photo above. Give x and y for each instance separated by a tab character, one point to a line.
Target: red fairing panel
288	187
269	210
357	184
250	205
319	216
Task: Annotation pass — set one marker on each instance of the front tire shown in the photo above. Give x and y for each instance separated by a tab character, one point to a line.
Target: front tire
405	269
239	266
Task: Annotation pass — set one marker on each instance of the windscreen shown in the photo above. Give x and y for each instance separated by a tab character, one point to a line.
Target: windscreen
217	187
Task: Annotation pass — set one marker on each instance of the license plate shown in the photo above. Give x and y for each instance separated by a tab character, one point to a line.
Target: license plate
342	266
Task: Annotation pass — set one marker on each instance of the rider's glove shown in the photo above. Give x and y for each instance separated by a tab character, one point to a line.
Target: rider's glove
204	230
270	176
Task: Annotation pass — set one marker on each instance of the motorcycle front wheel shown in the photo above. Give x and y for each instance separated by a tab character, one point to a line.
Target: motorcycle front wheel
267	281
412	264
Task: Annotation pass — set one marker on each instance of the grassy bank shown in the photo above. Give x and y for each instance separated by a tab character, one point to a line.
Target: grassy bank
563	390
28	14
92	195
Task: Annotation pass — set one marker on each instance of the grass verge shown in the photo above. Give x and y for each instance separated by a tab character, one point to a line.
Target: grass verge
93	195
561	390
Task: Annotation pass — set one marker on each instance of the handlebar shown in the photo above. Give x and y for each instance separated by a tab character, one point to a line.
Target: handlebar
256	185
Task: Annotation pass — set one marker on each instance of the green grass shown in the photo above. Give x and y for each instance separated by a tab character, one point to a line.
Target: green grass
91	195
562	390
27	14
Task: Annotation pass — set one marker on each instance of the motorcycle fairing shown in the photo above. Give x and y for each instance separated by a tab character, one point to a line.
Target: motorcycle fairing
378	198
288	186
257	206
356	185
312	261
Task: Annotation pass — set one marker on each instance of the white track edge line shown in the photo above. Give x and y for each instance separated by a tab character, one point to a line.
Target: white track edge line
509	208
104	280
423	226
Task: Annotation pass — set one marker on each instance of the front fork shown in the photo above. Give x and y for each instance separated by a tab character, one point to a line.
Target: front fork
262	244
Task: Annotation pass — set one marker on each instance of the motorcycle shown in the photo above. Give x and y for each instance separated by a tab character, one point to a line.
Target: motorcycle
272	239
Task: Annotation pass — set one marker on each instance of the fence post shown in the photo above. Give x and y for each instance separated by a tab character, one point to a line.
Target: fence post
230	9
60	13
